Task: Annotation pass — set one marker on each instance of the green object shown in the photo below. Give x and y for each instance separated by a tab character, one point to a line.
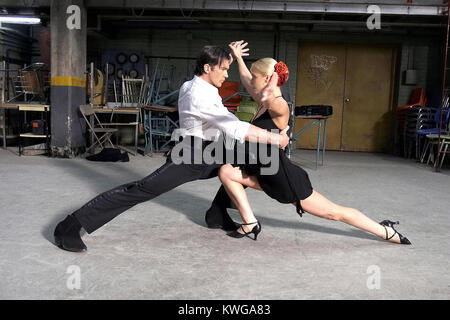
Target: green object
248	106
244	116
248	109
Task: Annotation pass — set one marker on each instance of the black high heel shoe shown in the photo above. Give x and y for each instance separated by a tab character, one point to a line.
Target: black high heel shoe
255	231
388	223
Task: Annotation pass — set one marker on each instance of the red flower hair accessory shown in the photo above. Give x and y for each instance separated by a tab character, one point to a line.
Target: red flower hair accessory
283	73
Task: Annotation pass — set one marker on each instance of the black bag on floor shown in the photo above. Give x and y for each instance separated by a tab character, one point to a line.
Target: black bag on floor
109	154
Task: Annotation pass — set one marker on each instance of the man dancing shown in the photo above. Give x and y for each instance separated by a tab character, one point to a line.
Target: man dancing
200	110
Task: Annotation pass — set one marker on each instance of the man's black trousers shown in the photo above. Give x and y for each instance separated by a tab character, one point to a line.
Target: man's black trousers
110	204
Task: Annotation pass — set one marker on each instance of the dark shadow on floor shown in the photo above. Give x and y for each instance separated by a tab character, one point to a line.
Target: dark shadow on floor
102	182
197	217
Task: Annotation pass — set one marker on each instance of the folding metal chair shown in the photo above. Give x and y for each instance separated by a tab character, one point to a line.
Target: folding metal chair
96	127
433	141
445	143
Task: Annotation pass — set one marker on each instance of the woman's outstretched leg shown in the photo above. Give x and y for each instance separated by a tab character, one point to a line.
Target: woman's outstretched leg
316	204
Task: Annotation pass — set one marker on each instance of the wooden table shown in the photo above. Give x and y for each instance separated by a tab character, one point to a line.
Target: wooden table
319	120
26	107
36	108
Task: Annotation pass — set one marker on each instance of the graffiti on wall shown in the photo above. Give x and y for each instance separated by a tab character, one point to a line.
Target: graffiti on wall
318	70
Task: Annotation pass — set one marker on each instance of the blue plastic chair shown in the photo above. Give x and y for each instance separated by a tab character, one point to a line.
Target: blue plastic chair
417	118
437	119
435	130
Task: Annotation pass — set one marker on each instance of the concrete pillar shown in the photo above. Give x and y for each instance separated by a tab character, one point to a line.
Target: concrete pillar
68	23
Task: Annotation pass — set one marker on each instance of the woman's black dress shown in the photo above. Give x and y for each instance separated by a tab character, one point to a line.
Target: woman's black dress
288	185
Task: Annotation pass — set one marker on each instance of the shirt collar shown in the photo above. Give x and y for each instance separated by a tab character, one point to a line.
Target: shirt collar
205	84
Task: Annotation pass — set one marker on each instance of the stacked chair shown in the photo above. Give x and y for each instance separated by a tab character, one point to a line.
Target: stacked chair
418	121
418	118
432	134
418	98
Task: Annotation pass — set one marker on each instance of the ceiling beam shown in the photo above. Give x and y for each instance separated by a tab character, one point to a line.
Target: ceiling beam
284	21
388	7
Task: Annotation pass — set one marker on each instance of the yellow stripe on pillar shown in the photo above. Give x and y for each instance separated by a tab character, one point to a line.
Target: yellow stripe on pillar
68	81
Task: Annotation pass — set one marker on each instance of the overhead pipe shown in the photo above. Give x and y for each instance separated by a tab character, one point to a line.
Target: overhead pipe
387	7
101	18
399	7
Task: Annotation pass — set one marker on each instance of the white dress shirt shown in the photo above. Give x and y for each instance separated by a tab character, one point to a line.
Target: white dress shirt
203	115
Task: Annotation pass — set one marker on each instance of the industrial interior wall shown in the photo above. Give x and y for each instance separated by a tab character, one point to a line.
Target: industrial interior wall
426	58
182	43
416	58
16	48
16	44
186	43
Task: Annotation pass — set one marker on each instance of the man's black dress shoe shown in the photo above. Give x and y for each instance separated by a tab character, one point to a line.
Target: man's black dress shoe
218	218
67	235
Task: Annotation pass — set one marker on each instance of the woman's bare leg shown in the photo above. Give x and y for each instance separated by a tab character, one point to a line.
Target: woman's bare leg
233	180
316	204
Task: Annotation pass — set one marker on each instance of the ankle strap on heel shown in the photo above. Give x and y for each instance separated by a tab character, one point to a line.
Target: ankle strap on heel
247	224
386	238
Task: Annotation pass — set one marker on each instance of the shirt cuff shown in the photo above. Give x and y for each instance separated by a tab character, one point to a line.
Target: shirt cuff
241	131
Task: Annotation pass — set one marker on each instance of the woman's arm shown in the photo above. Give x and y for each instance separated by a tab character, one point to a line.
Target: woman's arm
238	50
272	100
278	107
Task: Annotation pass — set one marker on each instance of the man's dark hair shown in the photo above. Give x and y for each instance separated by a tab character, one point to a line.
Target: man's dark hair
212	55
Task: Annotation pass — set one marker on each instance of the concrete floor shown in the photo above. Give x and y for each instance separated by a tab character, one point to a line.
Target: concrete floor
162	250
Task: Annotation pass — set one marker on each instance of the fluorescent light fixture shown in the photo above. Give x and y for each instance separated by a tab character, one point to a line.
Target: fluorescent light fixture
20	20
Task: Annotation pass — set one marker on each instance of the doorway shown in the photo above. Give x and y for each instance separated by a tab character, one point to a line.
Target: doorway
358	81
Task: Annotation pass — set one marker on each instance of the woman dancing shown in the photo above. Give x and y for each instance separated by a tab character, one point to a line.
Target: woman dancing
290	184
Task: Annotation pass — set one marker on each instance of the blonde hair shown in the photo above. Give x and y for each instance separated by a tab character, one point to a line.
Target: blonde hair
265	66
